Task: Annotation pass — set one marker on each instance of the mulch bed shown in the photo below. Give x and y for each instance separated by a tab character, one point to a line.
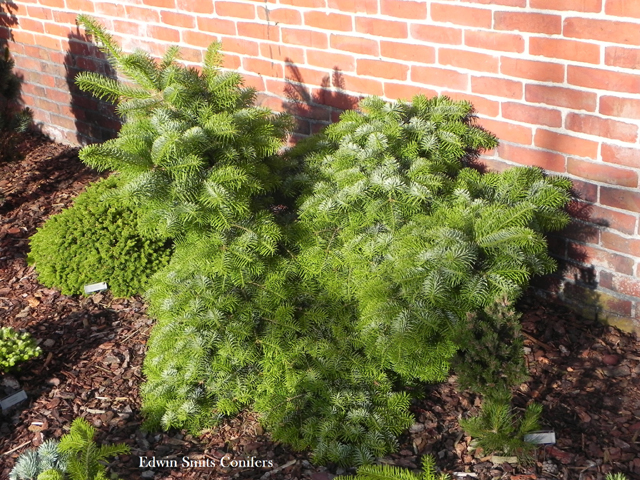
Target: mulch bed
585	374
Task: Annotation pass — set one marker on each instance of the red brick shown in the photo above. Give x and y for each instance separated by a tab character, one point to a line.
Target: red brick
530	114
31	25
602	127
422	54
528	156
304	37
369	7
52	3
468	60
404	9
232	62
44	41
481	104
629	157
240	45
217	26
504	42
599	172
618	198
254	81
576	5
382	28
620	283
612	219
110	9
198	39
403	91
435	34
508	3
508	132
257	30
619	243
324	59
27	38
365	86
305	3
566	144
287	16
235	10
461	15
622	8
605	30
382	69
46	13
334	99
308	76
328	21
584	190
561	97
160	3
363	46
262	67
540	71
603	79
170	35
195	7
283	53
498	87
439	77
177	19
622	57
558	48
597	256
528	22
141	13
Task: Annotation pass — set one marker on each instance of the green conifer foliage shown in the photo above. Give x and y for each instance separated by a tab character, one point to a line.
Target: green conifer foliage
395	223
97	240
194	151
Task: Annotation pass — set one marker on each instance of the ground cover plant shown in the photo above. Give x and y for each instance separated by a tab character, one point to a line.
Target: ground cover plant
16	347
325	319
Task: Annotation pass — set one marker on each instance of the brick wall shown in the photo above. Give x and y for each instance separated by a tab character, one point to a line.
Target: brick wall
556	80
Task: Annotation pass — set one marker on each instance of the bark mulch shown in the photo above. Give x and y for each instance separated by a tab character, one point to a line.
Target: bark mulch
585	374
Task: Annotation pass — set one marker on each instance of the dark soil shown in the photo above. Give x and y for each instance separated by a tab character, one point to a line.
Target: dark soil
585	374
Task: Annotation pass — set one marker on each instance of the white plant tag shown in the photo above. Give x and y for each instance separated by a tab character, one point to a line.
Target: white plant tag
541	438
11	400
95	287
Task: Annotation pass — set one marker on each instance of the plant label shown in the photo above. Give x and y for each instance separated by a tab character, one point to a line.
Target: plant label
8	402
95	287
541	438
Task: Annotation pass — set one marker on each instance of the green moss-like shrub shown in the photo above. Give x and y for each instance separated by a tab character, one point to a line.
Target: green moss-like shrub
96	240
16	347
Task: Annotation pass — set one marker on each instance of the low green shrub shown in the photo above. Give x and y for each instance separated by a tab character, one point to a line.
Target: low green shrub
97	240
490	361
16	347
498	429
388	472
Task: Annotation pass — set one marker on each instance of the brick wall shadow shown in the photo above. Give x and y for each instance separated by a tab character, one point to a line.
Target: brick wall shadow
95	120
315	108
8	20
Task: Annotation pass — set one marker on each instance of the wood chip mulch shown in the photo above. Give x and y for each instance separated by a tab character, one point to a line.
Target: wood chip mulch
585	374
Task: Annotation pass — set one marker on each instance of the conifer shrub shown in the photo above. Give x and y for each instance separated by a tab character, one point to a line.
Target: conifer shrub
194	152
389	472
318	318
97	240
490	360
12	117
16	347
32	463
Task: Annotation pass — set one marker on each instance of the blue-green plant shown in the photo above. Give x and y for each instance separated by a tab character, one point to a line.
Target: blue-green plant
32	463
